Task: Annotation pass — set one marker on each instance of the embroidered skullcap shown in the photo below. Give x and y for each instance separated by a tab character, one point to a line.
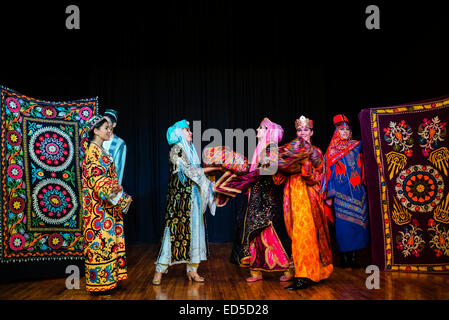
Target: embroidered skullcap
303	121
111	114
94	121
340	119
173	135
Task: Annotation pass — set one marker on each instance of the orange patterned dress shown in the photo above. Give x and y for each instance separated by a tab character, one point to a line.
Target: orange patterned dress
306	224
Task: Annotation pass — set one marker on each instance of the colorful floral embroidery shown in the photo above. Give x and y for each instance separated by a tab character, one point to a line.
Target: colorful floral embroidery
85	113
41	160
54	201
15	171
51	148
55	241
431	133
419	188
14	138
13	104
439	241
17	205
84	144
399	136
410	240
388	216
17	242
48	112
103	223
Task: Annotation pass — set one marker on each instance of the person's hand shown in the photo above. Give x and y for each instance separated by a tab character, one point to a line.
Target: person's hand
329	202
211	169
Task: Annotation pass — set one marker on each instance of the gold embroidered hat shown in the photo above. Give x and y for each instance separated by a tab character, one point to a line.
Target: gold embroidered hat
303	122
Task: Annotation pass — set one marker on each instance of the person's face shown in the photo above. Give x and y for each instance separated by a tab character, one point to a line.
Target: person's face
187	134
104	131
344	132
304	132
261	131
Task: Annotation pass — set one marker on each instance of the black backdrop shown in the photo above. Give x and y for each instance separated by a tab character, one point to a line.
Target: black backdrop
225	63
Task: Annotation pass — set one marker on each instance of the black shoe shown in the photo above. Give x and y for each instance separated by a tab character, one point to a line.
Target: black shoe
352	261
102	293
345	260
298	283
322	280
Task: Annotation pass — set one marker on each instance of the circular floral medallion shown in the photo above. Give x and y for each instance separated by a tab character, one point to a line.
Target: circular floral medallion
13	104
90	235
49	112
419	188
17	205
15	171
14	138
17	242
51	148
93	275
85	113
108	224
55	241
54	201
96	224
118	230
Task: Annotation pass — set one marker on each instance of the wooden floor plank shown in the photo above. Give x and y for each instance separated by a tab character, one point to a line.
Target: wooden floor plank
227	281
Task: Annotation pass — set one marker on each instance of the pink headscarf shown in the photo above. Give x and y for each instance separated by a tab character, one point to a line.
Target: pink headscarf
273	134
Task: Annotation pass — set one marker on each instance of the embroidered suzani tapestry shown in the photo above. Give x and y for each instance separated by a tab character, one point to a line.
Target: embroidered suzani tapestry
407	165
42	147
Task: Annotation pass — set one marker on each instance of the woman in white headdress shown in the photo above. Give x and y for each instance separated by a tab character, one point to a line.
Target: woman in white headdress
189	194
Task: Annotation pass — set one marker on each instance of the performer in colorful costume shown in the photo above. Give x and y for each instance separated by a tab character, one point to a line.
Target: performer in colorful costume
116	146
189	194
261	242
303	208
104	204
344	192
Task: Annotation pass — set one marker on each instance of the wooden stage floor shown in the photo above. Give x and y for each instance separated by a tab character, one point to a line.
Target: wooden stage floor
225	281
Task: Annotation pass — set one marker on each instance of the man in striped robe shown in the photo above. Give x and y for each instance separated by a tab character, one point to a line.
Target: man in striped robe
116	146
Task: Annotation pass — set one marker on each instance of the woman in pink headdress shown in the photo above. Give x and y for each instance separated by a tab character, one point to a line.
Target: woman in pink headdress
262	242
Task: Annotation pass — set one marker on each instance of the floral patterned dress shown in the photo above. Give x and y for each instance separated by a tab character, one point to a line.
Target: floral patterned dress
104	241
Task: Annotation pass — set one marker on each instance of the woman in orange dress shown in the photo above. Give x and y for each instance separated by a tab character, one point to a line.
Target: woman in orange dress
304	215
